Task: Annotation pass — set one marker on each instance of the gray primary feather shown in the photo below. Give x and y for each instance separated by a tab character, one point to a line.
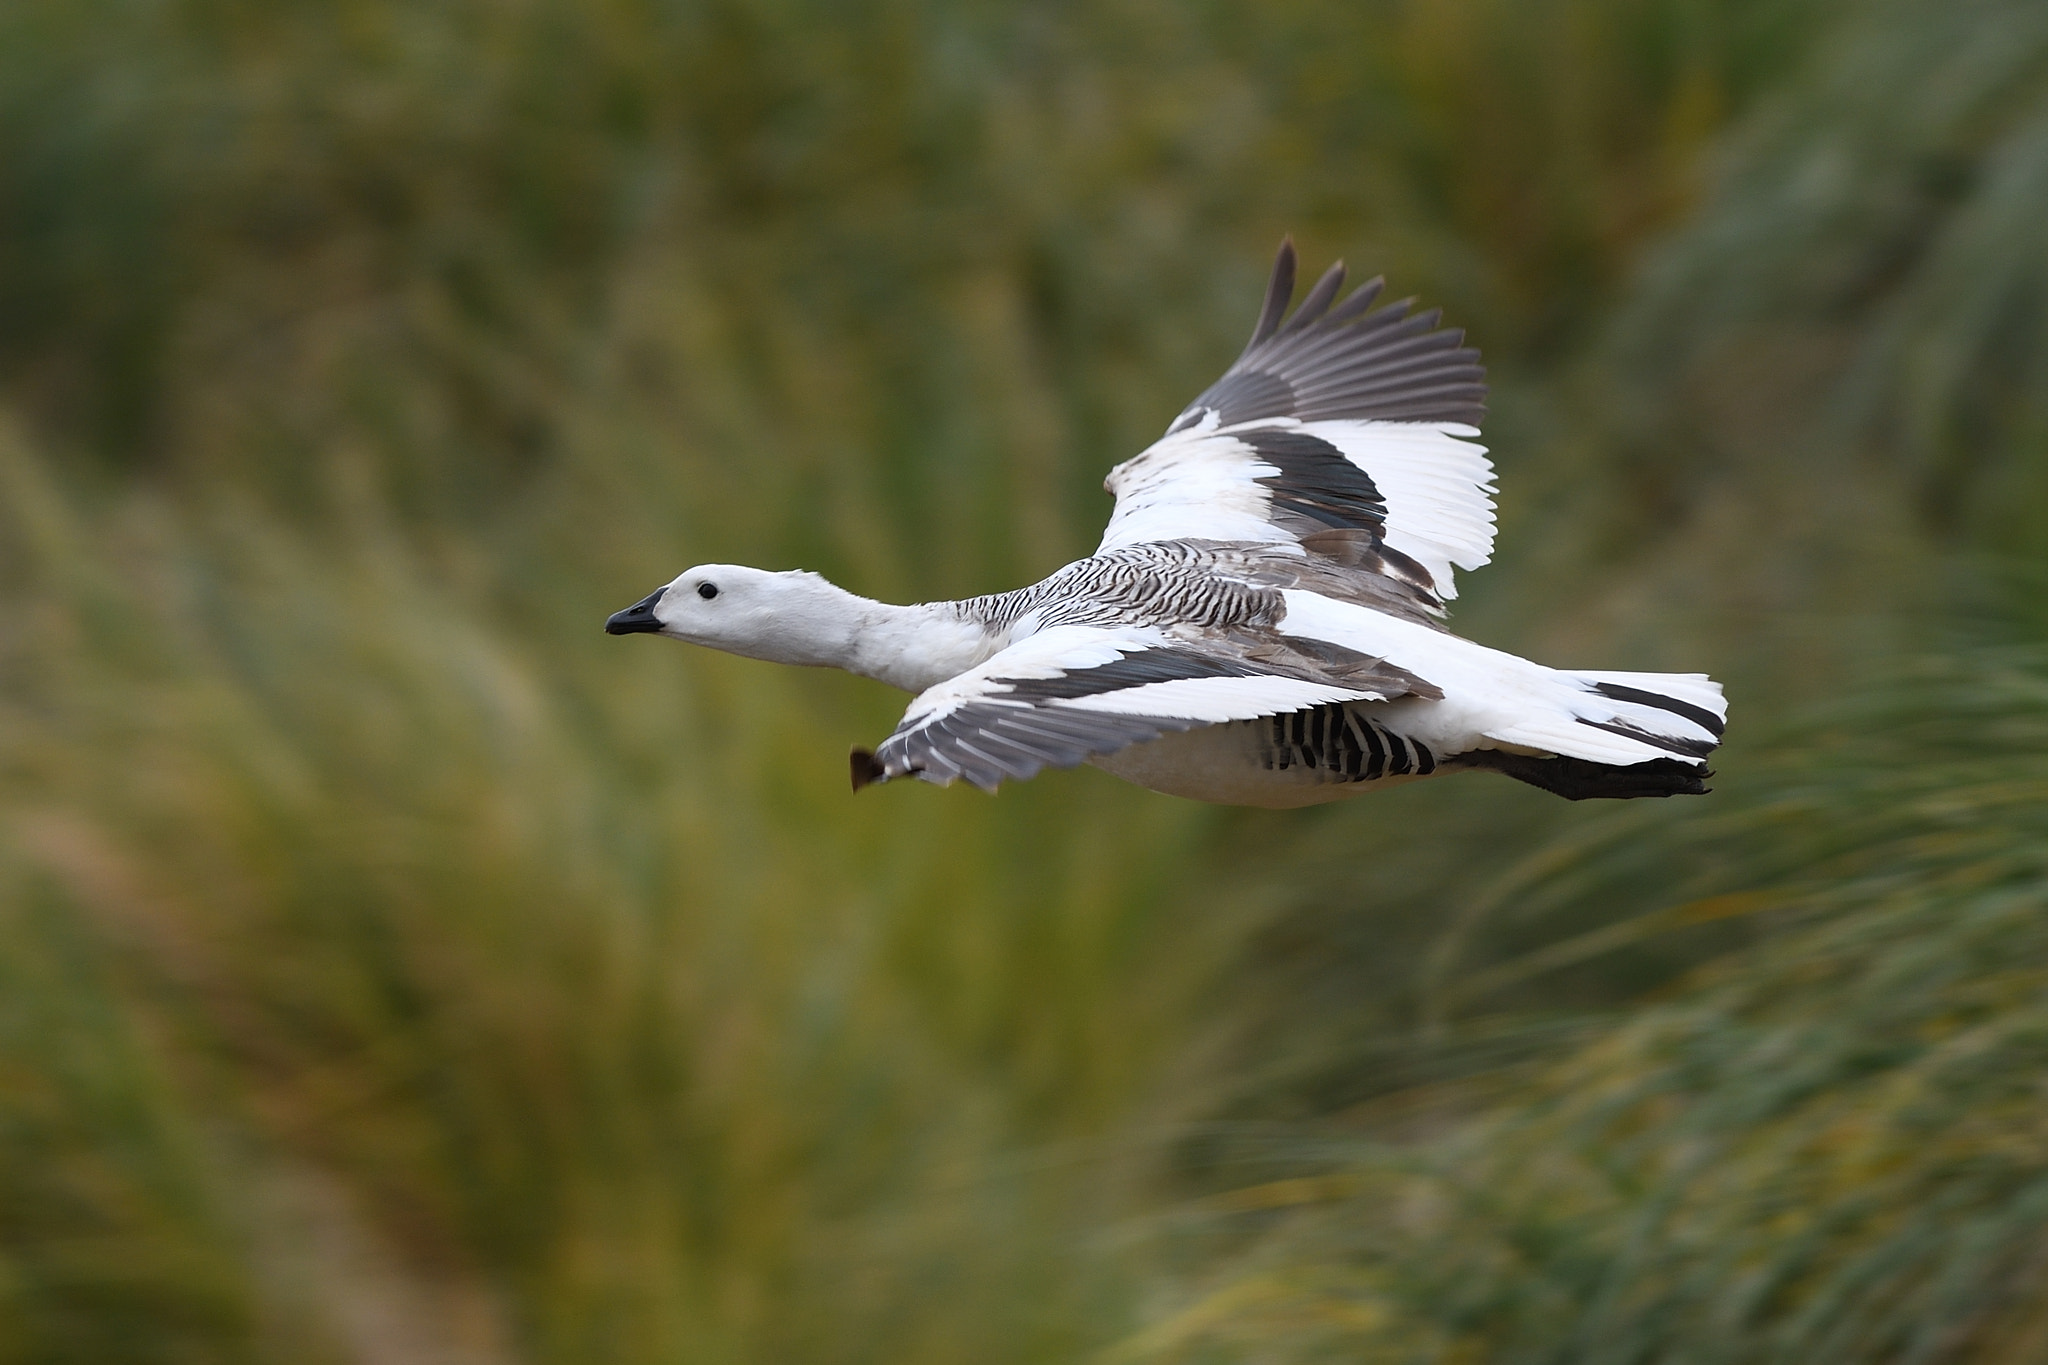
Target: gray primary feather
1347	362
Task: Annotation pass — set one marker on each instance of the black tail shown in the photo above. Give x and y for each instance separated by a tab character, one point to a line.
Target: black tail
1577	779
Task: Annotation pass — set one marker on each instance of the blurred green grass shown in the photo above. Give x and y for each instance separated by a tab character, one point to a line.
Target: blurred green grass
1824	1146
394	968
651	1043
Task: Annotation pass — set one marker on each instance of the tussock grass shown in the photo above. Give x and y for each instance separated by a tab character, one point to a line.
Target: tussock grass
1823	1147
583	973
394	968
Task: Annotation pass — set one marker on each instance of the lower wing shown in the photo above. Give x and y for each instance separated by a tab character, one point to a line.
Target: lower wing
1072	693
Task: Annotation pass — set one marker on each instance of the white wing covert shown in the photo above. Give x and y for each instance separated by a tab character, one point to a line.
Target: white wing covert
1344	430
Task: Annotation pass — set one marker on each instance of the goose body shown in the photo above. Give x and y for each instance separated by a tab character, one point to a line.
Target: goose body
1263	622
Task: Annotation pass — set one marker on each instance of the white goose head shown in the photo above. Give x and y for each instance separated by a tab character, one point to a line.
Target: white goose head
791	618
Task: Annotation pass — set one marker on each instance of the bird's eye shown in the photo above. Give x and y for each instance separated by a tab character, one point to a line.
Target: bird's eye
707	591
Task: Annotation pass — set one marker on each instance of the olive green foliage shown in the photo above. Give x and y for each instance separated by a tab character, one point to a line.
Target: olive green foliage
394	968
1821	1141
1885	208
1826	1146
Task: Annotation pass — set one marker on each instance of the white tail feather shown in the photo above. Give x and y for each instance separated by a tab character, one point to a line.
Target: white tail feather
1696	689
1661	715
1492	698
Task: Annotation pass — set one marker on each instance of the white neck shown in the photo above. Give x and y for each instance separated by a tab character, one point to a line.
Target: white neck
916	647
913	647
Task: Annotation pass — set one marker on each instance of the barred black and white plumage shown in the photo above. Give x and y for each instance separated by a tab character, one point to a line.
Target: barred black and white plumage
1263	621
1345	742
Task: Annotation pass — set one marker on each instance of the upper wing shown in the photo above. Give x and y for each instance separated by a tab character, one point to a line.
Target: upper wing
1069	693
1339	430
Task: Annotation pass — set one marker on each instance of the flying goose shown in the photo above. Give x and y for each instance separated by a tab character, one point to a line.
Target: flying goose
1263	623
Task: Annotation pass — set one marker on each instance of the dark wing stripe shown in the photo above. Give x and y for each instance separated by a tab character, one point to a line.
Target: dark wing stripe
1132	670
1685	710
1316	487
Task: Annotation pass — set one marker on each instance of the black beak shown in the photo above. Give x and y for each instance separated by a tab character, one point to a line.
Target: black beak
637	619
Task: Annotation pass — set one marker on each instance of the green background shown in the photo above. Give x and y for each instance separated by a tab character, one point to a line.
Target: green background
393	968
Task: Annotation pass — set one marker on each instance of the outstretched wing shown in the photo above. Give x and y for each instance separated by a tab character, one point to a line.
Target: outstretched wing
1342	429
1069	693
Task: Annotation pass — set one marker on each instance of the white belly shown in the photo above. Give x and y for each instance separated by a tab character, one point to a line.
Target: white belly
1237	764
